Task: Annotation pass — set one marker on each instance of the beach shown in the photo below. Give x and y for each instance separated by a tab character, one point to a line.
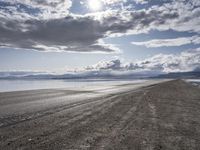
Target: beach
156	114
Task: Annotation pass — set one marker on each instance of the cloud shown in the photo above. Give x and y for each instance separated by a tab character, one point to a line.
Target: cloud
112	1
37	8
169	42
141	1
74	33
183	62
136	22
189	18
115	64
48	26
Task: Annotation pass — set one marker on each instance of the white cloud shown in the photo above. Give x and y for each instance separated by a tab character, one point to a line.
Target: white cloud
189	18
115	64
40	8
183	62
141	1
112	1
169	42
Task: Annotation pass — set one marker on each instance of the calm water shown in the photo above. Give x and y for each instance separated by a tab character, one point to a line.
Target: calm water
20	85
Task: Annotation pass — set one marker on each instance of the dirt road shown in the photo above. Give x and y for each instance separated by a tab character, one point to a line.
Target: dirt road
161	116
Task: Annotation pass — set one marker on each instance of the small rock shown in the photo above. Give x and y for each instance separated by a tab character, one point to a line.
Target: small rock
30	140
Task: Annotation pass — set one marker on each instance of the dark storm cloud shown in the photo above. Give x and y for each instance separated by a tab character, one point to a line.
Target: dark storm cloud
70	34
75	33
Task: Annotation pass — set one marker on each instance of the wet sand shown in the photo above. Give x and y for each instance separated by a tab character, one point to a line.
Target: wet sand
149	116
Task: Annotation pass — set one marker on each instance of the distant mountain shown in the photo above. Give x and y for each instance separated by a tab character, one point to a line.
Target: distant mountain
185	75
17	73
99	75
81	75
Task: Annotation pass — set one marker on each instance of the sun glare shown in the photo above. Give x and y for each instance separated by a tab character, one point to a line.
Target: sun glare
95	5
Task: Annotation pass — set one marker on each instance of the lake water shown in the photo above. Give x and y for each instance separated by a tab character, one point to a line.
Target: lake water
21	85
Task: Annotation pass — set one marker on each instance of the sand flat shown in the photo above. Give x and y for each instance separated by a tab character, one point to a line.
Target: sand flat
154	115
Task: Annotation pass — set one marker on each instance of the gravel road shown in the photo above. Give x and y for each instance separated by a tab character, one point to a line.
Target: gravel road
155	117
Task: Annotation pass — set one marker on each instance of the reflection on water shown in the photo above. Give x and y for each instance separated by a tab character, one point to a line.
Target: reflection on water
20	85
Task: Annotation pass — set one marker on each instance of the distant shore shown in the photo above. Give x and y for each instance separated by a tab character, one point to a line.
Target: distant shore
153	115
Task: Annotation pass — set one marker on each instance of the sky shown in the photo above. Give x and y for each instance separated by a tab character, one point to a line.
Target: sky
106	35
